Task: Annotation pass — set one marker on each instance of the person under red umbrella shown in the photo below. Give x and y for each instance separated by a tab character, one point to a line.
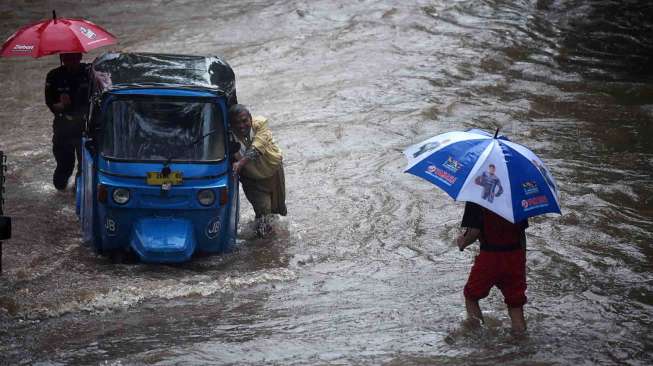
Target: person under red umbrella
66	94
66	87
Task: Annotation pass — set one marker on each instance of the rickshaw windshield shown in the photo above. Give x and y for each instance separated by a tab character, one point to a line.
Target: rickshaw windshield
158	128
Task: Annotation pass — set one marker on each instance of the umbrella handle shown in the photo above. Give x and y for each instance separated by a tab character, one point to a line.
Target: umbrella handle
496	133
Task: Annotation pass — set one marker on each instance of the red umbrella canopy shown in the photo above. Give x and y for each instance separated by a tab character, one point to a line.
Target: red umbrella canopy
57	35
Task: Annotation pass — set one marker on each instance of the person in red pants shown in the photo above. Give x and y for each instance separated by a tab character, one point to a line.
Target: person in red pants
501	262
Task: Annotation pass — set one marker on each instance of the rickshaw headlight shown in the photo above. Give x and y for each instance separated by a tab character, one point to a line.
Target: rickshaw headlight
120	196
206	197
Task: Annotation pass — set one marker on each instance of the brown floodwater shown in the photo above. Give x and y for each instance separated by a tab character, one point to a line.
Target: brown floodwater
363	270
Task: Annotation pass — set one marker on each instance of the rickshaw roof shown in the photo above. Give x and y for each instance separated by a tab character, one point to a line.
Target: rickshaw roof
117	70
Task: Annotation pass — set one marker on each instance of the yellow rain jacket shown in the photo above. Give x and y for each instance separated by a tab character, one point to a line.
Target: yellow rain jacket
261	139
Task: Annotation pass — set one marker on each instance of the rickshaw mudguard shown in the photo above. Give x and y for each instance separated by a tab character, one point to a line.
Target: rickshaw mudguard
163	240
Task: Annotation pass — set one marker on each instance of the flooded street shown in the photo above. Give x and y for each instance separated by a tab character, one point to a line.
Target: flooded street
363	270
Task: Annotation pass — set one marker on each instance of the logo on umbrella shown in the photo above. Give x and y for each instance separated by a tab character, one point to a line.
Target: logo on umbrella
530	187
87	32
452	164
441	174
23	48
535	202
427	147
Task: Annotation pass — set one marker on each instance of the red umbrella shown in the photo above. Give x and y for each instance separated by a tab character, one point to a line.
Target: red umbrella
62	35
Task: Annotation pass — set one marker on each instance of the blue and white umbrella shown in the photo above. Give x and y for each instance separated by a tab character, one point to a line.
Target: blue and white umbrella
498	174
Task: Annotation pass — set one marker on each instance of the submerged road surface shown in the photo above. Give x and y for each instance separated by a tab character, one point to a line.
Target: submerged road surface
364	269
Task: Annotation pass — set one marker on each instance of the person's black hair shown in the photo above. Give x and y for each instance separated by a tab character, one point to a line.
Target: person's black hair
78	54
237	109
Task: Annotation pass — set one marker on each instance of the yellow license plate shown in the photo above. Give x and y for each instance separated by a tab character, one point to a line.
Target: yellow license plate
157	179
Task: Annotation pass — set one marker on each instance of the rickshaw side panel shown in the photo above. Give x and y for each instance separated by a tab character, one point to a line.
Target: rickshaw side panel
86	197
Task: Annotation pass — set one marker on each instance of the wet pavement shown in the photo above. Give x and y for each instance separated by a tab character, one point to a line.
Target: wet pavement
363	270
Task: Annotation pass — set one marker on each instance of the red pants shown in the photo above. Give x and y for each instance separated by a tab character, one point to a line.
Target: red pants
506	270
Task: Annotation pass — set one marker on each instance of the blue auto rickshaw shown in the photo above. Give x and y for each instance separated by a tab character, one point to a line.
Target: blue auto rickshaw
156	177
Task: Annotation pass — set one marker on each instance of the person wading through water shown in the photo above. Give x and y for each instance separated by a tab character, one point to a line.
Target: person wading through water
66	94
501	262
259	165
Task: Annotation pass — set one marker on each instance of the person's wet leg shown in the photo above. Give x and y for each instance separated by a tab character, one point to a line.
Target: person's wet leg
64	155
474	313
261	201
262	207
517	319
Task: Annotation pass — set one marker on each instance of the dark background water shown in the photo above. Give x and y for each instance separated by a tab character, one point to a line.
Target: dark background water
363	270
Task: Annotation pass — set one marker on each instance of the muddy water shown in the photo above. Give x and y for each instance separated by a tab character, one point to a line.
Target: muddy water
363	270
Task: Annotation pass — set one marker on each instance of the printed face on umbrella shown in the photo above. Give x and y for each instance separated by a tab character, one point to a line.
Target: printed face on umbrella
491	169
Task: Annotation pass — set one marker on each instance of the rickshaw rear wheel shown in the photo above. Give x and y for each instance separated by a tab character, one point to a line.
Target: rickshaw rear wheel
121	256
116	256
